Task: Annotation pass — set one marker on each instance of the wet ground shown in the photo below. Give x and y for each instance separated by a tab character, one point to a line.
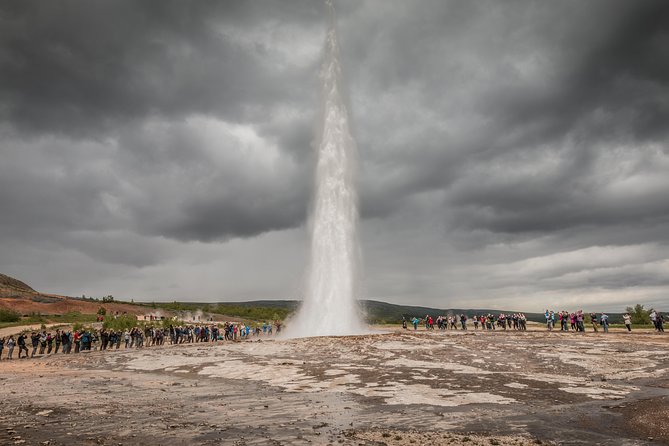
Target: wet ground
397	388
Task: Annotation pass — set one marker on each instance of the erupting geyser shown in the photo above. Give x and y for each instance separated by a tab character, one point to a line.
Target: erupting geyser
330	304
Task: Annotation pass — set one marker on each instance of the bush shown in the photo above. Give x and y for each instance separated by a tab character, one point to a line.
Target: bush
7	315
640	316
252	313
123	322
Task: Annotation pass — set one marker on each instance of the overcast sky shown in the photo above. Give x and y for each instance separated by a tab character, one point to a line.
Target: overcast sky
513	154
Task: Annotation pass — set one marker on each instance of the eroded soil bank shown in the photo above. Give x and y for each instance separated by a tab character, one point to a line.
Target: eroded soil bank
396	388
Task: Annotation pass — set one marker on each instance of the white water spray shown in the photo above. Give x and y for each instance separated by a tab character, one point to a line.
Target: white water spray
330	305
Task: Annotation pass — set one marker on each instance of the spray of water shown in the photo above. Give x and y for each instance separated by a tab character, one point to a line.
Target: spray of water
330	305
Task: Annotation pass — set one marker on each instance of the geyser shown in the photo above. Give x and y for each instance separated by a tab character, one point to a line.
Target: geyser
330	304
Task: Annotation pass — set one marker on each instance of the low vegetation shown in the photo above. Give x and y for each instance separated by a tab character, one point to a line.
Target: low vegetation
252	313
121	323
640	316
7	315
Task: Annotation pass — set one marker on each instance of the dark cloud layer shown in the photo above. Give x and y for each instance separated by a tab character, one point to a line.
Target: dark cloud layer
145	138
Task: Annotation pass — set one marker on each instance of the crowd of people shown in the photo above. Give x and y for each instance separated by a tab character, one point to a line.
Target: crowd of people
516	321
74	341
574	321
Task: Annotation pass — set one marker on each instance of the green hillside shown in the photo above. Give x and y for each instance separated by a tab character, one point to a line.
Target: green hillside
375	311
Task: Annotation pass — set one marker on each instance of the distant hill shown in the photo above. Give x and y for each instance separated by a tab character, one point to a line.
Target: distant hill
18	296
10	285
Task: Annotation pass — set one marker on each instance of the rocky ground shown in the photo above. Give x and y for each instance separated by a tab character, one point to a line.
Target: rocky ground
398	388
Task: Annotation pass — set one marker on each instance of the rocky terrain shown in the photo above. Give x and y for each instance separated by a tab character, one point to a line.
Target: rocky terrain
396	388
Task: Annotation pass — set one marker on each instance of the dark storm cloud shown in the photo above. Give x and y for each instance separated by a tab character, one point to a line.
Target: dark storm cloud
99	69
134	134
571	82
72	67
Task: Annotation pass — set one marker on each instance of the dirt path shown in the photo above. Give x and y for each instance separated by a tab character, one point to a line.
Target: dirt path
7	331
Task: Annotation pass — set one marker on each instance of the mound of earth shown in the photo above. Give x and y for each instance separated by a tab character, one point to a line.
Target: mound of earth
19	296
11	285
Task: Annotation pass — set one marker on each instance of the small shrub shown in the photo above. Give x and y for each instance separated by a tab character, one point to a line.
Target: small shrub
123	322
7	315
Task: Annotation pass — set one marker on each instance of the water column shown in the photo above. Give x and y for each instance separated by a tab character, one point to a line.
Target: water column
330	303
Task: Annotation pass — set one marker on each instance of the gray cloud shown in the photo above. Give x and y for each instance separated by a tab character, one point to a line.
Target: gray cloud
142	136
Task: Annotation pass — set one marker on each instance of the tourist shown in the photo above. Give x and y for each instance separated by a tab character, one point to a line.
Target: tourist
10	347
77	341
593	320
58	340
49	343
628	322
653	318
604	320
34	339
104	339
42	342
66	340
21	341
463	321
2	346
659	322
415	322
580	323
